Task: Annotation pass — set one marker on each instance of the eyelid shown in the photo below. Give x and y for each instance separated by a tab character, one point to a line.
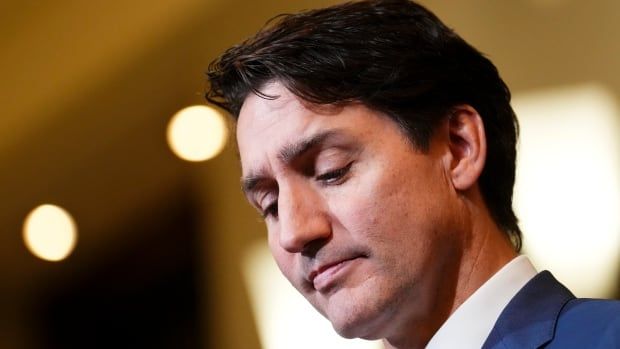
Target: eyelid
264	198
333	176
329	177
270	210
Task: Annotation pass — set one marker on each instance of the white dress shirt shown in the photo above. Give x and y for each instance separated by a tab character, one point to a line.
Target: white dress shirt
470	325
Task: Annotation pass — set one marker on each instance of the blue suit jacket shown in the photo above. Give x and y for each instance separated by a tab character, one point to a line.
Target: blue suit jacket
545	314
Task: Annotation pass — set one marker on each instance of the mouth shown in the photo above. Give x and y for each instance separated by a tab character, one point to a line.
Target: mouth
326	276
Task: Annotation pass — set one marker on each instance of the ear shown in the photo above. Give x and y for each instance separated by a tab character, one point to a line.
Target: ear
468	146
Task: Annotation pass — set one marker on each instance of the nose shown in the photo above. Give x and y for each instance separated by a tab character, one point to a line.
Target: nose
304	223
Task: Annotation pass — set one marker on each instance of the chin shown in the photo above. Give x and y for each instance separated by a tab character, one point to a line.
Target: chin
357	321
359	329
348	330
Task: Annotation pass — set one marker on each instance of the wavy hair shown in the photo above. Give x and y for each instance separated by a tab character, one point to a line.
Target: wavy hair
393	56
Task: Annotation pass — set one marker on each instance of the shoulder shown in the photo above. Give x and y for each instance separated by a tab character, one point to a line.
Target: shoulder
587	309
593	323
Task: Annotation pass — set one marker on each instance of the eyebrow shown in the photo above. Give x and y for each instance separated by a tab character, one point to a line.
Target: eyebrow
288	154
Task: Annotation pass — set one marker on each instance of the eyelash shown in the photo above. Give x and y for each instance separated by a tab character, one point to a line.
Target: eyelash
271	210
333	177
328	178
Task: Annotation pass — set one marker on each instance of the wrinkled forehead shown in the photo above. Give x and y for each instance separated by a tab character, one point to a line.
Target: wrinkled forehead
265	124
270	127
258	112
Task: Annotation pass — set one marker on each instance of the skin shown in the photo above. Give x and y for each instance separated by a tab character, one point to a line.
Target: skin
384	240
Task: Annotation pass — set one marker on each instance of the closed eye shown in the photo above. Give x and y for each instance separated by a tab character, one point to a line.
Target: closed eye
271	210
335	176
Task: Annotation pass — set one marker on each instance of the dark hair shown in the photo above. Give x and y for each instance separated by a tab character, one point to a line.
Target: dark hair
393	56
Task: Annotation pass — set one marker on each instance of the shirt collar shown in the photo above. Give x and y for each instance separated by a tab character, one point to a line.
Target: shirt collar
471	323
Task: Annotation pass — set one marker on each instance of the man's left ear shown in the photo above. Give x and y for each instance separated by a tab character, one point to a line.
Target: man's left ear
468	146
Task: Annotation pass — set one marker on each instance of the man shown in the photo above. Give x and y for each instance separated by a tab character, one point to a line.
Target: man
380	148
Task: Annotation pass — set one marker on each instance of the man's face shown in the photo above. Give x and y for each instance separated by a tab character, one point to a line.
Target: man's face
359	221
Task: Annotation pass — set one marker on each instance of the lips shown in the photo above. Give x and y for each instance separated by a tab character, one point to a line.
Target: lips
326	276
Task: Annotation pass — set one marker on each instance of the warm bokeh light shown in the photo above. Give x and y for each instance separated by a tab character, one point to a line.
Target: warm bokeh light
50	232
283	315
567	193
197	133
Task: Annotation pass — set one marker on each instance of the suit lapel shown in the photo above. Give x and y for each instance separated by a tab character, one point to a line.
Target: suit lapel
529	320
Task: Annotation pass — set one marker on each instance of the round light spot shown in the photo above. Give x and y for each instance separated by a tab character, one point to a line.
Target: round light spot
197	133
50	232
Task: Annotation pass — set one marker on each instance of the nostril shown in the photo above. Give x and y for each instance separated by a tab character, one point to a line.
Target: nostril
311	249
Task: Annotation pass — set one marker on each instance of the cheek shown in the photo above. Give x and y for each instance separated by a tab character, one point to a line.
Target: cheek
357	215
283	259
374	203
400	209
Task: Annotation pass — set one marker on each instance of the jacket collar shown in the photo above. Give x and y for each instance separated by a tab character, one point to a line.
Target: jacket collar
529	320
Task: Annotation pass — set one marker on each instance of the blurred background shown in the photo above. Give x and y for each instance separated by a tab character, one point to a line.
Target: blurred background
110	238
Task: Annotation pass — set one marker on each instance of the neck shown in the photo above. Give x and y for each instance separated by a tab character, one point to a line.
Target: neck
486	250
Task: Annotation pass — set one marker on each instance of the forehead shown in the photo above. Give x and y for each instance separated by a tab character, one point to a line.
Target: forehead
260	115
265	126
